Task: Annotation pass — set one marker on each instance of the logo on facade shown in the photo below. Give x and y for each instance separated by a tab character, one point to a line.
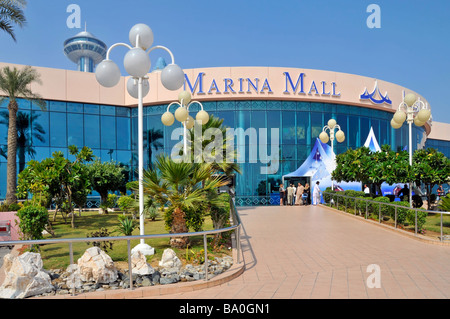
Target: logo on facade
376	96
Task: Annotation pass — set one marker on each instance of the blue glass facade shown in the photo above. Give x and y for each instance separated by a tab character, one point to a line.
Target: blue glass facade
111	132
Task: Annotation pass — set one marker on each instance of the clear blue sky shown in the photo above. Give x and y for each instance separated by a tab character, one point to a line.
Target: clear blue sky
412	47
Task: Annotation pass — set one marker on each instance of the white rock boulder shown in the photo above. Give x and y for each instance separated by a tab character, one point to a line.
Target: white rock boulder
25	277
139	264
169	259
95	265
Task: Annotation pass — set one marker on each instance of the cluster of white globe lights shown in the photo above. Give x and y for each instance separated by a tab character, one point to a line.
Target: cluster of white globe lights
137	64
411	105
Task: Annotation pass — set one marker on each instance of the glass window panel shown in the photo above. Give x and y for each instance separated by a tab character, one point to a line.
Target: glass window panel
108	155
123	111
384	133
304	106
288	128
342	122
4	120
74	107
124	157
227	116
316	125
273	122
57	106
123	133
92	131
259	122
40	128
303	128
58	130
108	110
24	104
364	128
353	132
91	109
75	129
108	132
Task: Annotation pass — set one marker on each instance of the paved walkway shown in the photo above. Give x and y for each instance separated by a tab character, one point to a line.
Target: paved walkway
315	252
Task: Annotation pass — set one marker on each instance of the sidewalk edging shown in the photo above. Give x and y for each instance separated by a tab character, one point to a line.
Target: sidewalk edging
390	228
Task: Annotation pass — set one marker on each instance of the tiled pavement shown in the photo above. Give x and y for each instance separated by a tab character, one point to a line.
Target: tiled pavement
316	253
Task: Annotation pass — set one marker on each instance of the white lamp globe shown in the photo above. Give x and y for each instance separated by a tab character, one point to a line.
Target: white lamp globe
396	125
324	137
410	99
137	62
331	123
340	136
184	97
189	122
423	115
145	36
202	117
107	73
167	119
399	117
418	122
181	114
133	87
172	77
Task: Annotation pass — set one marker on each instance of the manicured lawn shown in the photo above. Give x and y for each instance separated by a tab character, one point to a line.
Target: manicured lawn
57	255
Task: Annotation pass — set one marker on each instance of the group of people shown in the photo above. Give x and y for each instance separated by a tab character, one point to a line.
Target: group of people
300	195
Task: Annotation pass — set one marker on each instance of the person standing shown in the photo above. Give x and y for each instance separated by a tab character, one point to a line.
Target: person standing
307	191
298	196
316	194
294	194
282	190
290	194
366	190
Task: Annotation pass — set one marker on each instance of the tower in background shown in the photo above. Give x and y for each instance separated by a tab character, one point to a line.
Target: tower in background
85	50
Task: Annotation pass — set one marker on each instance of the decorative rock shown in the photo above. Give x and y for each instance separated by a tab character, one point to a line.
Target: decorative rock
25	277
95	265
139	264
73	279
169	259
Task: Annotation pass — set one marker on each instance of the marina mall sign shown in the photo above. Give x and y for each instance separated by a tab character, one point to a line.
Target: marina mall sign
291	84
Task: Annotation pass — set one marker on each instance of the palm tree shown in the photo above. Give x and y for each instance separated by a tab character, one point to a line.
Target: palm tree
182	187
15	83
11	13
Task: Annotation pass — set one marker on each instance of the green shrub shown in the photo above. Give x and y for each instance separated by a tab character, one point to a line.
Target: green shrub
327	197
421	218
32	221
350	201
401	212
374	208
126	226
126	204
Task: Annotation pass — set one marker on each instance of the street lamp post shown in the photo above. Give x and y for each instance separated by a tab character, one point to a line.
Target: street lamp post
340	136
182	115
413	110
137	63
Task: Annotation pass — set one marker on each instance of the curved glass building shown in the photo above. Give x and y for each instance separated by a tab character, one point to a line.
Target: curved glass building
290	105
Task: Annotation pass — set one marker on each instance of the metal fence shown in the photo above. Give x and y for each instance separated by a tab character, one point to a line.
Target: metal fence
344	198
234	218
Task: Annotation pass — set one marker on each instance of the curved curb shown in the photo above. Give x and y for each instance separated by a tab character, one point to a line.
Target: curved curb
401	232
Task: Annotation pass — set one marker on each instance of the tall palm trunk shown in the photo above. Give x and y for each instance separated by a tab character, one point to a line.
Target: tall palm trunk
179	226
11	173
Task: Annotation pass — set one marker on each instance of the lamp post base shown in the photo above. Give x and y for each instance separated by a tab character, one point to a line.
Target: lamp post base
144	249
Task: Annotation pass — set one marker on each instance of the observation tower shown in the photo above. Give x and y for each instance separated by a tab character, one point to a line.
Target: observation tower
85	50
